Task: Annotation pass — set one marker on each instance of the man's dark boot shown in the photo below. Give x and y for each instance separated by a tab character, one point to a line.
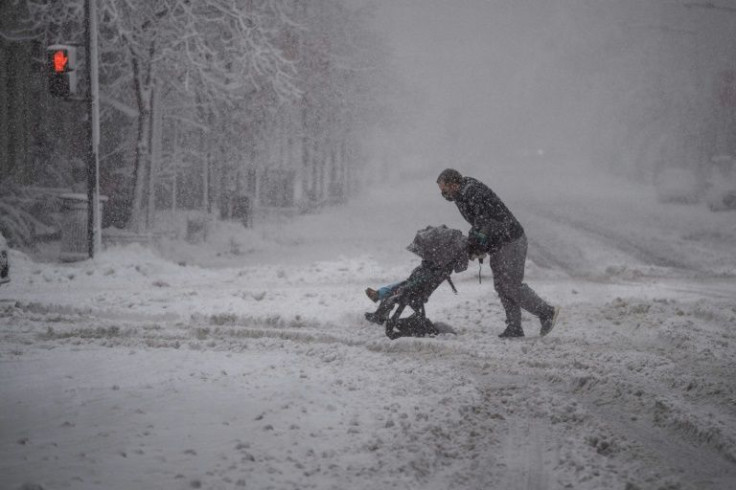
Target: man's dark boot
548	320
511	332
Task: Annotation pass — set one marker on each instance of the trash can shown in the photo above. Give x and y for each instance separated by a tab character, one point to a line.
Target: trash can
242	211
74	215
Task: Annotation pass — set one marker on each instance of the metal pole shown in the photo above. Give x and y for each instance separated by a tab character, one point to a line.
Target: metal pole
94	218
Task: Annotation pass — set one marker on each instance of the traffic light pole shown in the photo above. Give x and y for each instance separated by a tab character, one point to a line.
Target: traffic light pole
94	218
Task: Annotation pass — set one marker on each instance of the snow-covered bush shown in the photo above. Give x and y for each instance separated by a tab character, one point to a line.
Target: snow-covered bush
24	214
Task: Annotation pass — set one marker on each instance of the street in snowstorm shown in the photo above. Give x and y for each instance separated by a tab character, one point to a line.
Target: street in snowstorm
228	259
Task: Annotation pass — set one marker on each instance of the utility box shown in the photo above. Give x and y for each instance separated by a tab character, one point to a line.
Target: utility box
74	216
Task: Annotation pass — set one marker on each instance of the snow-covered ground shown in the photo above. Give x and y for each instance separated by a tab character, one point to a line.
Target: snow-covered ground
248	364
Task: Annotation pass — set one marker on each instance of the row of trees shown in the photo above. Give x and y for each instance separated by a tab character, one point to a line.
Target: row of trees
206	101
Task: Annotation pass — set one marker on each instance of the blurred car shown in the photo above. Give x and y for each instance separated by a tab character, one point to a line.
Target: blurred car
721	193
724	200
4	264
678	185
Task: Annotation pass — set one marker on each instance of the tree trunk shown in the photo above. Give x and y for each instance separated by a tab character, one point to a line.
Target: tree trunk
5	122
142	163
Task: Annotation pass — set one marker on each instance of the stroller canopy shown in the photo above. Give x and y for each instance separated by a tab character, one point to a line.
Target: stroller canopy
442	246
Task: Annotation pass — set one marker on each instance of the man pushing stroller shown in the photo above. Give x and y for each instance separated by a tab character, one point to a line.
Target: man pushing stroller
444	251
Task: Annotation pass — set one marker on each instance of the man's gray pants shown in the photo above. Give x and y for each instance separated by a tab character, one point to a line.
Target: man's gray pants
507	265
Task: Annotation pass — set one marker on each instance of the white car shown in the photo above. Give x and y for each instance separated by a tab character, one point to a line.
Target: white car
678	185
4	265
721	193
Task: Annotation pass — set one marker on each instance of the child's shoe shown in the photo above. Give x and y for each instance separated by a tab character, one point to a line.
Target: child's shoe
372	294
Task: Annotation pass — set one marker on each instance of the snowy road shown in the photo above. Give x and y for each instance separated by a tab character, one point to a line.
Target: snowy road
258	371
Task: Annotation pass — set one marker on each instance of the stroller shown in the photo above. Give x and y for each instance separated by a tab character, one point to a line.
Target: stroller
443	251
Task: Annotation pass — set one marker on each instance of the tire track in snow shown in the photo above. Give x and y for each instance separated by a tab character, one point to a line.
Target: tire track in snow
668	453
61	324
555	432
613	237
559	245
523	456
679	433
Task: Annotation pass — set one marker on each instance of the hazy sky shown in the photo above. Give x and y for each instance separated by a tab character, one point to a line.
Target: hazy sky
492	77
476	67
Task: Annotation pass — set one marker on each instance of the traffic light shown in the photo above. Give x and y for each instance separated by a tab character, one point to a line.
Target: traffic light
61	65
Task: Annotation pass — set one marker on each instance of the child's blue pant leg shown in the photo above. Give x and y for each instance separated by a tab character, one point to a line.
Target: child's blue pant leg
386	291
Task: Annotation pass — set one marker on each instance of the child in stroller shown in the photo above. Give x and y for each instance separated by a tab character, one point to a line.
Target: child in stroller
443	251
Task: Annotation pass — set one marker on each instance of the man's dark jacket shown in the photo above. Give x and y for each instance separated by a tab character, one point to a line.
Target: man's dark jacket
492	222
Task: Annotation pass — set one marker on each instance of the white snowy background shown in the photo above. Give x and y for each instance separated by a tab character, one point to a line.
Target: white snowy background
245	362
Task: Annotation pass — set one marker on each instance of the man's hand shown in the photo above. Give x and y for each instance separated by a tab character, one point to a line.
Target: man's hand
477	242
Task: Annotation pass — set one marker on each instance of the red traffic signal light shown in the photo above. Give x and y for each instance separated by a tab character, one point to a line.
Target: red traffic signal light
60	61
61	69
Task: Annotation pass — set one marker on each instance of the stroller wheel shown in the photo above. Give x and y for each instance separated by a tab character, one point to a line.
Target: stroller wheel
392	333
413	326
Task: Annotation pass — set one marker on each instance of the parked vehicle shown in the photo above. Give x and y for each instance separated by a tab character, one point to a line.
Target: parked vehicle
678	185
721	194
4	261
